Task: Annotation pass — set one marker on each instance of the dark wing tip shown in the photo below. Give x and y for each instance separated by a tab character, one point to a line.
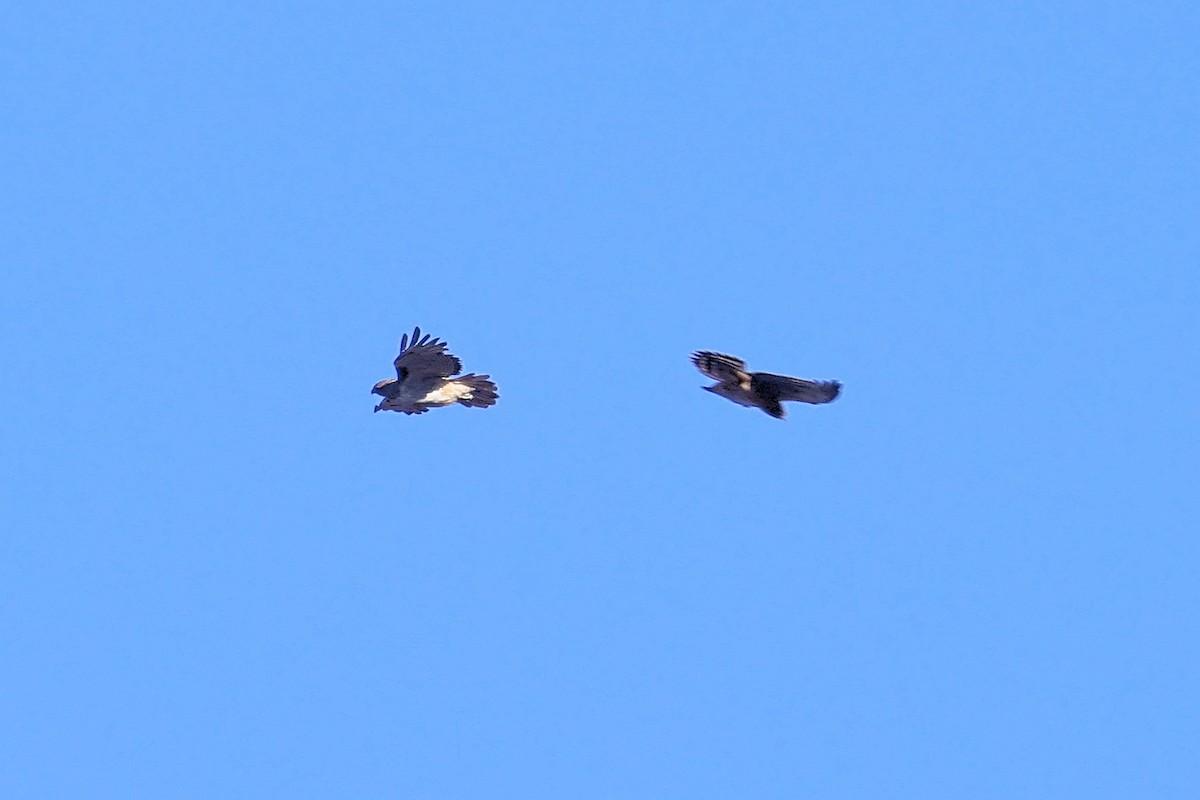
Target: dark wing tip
719	366
417	340
405	343
702	355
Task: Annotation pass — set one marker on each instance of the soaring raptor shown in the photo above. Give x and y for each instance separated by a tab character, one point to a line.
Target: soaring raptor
423	379
760	389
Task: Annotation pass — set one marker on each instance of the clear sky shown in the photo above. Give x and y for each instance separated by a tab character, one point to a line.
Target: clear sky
973	576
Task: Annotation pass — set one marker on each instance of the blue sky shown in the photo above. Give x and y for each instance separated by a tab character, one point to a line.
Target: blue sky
972	576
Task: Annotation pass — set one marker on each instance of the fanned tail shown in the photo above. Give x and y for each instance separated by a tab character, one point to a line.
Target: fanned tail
483	391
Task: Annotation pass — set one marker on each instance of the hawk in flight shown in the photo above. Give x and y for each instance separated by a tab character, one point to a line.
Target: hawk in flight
760	389
423	379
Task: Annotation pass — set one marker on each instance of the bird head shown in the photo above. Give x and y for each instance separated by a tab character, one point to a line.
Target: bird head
381	387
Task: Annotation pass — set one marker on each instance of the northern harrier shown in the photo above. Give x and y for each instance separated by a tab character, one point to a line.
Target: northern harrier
423	379
760	389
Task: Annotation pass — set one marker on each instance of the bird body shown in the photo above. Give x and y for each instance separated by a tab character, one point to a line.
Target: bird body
425	379
763	390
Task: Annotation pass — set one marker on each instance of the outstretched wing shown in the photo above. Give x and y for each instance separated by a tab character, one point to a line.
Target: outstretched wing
425	357
720	367
396	404
781	387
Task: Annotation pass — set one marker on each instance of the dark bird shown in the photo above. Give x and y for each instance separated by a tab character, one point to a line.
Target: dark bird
424	379
760	389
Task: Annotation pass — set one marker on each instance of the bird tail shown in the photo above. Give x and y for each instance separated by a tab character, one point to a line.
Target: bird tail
483	391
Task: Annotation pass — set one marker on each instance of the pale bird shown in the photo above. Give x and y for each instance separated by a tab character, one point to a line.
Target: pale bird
424	379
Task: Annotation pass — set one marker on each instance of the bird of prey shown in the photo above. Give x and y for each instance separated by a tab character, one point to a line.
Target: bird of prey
760	389
423	379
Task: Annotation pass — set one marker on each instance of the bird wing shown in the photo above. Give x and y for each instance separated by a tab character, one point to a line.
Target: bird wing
782	387
720	367
425	358
395	404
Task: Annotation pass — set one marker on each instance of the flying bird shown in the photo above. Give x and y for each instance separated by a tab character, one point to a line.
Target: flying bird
424	379
760	389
